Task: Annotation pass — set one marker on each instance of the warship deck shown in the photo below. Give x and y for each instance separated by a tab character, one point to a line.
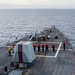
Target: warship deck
58	63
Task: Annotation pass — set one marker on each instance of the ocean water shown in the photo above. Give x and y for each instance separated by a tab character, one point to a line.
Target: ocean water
21	22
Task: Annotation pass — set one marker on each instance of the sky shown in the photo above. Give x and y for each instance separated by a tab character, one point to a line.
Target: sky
37	3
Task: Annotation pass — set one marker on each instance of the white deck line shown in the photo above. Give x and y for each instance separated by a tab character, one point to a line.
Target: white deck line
32	36
52	42
45	56
70	49
46	42
51	56
58	50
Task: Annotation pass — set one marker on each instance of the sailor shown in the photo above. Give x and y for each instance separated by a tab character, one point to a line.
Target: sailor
13	45
5	69
16	38
46	48
16	65
50	31
12	65
13	48
44	38
34	47
56	37
39	48
43	48
64	45
53	48
9	50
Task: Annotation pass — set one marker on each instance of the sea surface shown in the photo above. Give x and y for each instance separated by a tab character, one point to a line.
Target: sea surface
21	22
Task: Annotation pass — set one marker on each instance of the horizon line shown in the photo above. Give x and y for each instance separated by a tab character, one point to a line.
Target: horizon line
37	7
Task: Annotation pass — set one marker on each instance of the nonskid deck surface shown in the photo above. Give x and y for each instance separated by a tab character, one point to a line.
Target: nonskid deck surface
62	65
58	63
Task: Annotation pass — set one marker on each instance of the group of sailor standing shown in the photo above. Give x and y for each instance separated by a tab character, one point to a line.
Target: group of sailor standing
45	48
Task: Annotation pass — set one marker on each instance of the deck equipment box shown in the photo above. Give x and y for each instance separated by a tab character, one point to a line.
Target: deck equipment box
24	53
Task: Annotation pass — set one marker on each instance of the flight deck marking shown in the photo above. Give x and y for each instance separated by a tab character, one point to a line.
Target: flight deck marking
33	35
58	50
45	56
51	56
46	42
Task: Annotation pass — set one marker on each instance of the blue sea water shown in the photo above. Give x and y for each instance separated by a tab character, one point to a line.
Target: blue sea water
21	22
